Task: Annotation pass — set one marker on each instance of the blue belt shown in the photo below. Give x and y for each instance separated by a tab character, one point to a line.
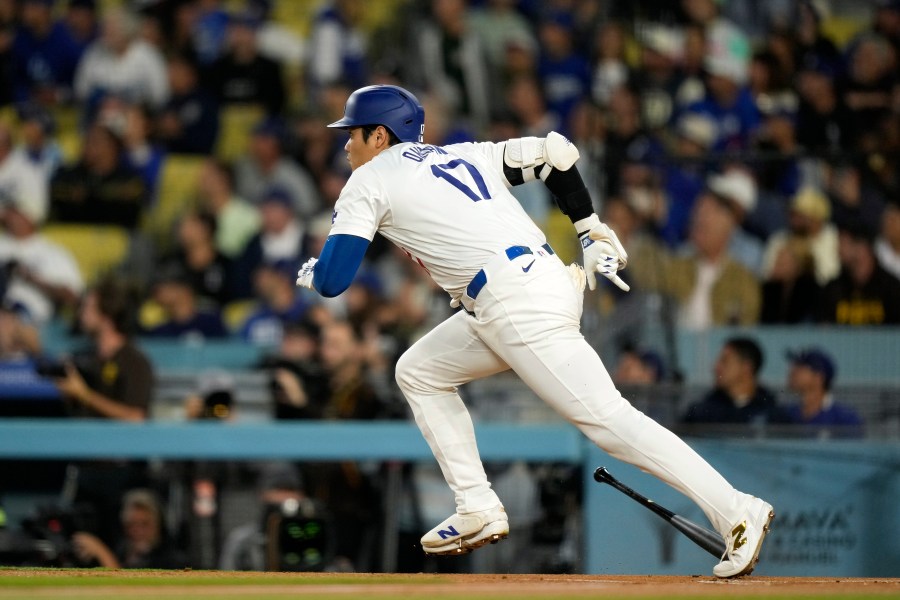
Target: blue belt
513	252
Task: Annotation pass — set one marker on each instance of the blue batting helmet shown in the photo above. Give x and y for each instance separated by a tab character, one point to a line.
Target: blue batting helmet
395	108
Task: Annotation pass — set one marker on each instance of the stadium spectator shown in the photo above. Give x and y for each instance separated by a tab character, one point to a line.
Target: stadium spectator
142	153
610	69
853	200
823	120
866	89
736	189
453	61
864	293
296	378
498	25
101	188
38	276
183	316
189	122
44	54
282	237
685	177
800	261
253	547
209	271
711	287
565	74
728	99
659	77
20	178
348	491
144	544
738	397
242	75
639	367
338	46
279	302
887	247
122	64
276	40
114	379
267	165
811	377
528	107
80	21
236	220
38	145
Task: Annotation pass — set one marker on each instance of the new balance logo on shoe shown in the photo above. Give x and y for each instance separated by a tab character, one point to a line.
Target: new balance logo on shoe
449	532
738	534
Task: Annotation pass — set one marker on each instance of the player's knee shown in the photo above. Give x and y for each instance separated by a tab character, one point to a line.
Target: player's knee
405	371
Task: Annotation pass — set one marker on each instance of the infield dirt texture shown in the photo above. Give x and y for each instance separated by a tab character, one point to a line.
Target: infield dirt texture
89	584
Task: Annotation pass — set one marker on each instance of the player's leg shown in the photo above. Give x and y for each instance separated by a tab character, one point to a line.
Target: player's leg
429	374
534	328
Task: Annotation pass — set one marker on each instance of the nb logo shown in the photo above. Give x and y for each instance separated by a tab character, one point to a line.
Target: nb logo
449	532
739	538
528	268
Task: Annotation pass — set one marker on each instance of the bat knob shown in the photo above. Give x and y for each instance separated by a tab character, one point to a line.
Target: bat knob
603	476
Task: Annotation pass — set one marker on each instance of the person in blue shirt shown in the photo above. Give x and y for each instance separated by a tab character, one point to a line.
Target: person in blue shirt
811	377
564	74
44	55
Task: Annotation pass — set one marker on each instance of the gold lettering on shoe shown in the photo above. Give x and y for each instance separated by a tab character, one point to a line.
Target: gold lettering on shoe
738	534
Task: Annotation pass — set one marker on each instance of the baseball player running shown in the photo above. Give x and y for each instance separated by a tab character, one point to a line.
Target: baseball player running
449	209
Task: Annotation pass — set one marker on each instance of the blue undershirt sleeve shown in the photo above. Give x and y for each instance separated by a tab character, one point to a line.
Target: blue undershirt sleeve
338	263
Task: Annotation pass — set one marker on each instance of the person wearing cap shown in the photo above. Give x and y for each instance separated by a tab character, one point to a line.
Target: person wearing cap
695	133
811	377
728	99
736	188
863	293
659	77
278	303
887	247
242	75
38	147
266	165
183	317
823	120
338	43
811	240
20	178
282	237
738	396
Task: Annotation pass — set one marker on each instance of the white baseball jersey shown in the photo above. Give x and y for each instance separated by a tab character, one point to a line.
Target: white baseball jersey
448	207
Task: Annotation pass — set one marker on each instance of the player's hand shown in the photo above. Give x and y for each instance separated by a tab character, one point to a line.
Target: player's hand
305	274
604	254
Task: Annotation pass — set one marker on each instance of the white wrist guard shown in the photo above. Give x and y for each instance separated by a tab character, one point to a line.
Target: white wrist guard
586	224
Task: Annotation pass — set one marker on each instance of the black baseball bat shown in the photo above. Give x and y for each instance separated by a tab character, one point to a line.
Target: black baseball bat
710	541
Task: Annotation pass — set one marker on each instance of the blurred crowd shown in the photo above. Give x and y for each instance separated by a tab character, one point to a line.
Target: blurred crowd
747	153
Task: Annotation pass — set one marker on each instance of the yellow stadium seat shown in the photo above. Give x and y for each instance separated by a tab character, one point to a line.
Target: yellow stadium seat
235	313
176	194
236	121
98	249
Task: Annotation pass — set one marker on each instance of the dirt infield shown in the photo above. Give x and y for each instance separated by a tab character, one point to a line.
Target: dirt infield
197	585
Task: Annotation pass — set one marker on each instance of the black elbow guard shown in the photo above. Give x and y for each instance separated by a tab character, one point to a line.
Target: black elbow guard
570	193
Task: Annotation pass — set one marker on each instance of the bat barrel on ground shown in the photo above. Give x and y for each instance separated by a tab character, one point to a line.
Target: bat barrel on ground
710	541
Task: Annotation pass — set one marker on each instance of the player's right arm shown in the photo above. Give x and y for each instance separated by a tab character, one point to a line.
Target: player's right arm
552	159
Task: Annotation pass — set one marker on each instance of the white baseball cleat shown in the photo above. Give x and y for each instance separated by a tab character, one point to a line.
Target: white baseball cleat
462	533
745	540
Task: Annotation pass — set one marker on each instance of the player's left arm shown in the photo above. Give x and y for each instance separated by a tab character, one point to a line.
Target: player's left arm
552	159
334	270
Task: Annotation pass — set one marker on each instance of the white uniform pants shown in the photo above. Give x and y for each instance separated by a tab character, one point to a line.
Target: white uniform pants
530	322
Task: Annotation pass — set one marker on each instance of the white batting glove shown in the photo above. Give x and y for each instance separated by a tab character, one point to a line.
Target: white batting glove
603	252
305	274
